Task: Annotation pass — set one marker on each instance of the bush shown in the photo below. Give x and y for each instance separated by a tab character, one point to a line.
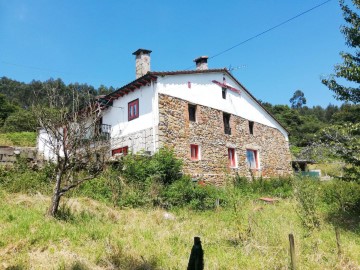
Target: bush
276	187
307	193
342	197
21	178
184	192
163	164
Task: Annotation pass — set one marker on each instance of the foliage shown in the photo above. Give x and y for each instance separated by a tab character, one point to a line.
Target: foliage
197	196
18	139
22	178
298	99
342	197
5	109
163	165
343	142
20	121
307	194
349	69
273	187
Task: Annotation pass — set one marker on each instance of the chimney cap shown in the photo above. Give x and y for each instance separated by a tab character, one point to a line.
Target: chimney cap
139	51
201	59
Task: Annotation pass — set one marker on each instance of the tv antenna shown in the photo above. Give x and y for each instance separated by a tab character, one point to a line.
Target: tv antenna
231	68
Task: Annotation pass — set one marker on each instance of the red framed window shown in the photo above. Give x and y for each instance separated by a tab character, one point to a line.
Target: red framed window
133	109
121	150
232	158
252	158
194	152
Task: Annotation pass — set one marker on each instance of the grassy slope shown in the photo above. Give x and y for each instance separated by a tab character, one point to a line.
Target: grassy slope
18	139
95	236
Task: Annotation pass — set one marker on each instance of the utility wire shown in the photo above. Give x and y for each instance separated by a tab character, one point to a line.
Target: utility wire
268	30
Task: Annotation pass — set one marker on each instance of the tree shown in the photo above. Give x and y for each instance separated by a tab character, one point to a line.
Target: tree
72	135
350	68
298	100
5	109
343	141
21	120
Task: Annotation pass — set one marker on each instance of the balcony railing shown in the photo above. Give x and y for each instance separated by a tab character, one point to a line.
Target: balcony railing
105	128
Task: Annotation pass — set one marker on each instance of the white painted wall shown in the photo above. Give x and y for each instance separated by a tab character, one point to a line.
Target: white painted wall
46	146
117	114
204	92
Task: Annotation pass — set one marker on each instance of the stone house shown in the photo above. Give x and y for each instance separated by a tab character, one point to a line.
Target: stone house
213	123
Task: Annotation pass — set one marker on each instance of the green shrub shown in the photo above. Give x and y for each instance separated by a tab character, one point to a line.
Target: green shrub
184	192
307	193
163	164
21	178
342	196
275	187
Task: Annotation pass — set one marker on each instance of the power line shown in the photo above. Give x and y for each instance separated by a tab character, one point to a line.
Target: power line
35	68
268	30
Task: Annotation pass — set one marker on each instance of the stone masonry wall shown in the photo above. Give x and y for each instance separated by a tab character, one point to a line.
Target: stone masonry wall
177	132
137	141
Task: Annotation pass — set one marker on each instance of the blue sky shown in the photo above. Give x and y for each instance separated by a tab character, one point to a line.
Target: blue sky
90	41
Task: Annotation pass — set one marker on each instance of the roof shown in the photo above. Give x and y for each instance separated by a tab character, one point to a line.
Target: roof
152	76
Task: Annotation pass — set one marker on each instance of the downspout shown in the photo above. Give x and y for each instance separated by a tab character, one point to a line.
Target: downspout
155	112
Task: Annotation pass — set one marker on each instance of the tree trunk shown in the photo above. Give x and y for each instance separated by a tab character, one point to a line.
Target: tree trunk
55	201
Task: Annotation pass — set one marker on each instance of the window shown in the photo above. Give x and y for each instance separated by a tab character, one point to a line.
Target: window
223	93
192	112
133	109
251	127
194	152
121	150
226	118
252	158
232	158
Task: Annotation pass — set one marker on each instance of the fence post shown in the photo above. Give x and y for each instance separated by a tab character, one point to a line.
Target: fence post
292	251
338	242
196	260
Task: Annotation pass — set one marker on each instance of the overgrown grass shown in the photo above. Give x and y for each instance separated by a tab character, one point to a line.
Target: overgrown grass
120	220
18	139
91	235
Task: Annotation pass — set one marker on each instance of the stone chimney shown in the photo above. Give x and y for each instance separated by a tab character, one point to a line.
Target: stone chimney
142	62
201	63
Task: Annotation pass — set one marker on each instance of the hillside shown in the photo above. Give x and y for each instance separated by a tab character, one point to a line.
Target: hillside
93	235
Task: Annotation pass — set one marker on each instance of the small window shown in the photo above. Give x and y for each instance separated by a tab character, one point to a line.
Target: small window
226	118
133	109
251	127
192	113
194	152
232	158
119	151
223	93
252	158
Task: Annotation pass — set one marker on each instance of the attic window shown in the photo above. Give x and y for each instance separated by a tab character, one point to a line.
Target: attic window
133	109
251	127
226	119
223	92
192	112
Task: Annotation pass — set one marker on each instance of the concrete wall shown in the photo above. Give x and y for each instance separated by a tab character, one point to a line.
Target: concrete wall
177	132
